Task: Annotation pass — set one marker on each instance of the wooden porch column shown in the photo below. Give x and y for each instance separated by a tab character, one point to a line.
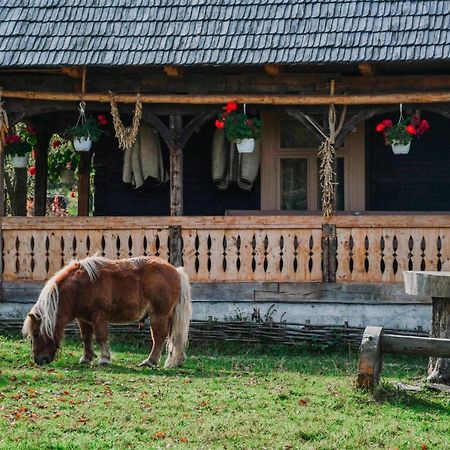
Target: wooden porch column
20	191
83	183
40	182
176	187
329	249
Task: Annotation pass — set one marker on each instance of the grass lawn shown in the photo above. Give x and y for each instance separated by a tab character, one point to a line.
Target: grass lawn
227	396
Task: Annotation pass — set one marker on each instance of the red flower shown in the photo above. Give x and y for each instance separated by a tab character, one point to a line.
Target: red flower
72	194
411	129
380	127
31	130
219	124
102	119
387	123
32	171
415	120
56	144
423	126
249	122
230	106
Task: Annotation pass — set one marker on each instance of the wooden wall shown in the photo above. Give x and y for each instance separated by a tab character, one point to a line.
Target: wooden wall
114	198
419	181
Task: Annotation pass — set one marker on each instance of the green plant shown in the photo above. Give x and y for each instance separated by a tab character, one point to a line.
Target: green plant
88	129
21	140
61	156
238	125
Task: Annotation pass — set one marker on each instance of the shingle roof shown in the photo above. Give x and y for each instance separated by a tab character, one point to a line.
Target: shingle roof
218	32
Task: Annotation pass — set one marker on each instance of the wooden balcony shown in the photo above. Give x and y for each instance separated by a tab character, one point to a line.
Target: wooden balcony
370	248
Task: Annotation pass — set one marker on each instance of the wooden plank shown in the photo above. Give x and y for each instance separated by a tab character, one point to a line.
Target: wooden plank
370	358
415	345
261	99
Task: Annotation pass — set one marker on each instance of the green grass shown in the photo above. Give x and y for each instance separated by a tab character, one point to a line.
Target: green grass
227	396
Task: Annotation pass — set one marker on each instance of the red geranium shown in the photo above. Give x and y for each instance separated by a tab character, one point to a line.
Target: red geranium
403	131
219	123
411	129
230	106
32	171
56	144
102	119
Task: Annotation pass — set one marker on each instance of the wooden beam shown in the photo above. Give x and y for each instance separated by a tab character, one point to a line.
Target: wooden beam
274	70
367	69
73	72
40	179
20	192
217	99
174	71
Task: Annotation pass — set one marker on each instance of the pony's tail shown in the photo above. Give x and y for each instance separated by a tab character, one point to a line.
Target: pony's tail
178	337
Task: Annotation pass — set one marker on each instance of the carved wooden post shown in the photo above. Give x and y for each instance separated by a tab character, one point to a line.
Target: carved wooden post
40	181
329	249
20	191
83	183
176	188
370	358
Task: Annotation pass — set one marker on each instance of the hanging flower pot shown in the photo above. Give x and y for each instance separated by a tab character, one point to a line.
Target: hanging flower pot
67	176
19	162
239	127
400	149
82	144
245	145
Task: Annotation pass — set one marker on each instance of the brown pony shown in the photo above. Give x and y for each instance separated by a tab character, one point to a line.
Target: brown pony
96	291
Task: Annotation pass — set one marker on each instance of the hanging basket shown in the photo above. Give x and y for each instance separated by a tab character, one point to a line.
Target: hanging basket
245	145
82	144
19	162
400	149
67	176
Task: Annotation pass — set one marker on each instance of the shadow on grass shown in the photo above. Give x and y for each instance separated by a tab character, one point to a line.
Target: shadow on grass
414	401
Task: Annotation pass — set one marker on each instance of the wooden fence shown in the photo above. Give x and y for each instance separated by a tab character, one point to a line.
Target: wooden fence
240	248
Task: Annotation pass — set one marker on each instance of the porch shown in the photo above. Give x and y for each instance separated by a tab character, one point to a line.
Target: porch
302	268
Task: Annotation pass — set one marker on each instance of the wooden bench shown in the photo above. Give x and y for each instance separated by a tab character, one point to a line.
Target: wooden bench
375	343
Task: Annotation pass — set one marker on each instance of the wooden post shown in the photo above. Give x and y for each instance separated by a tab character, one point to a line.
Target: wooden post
439	368
176	187
20	191
370	358
329	250
40	182
83	184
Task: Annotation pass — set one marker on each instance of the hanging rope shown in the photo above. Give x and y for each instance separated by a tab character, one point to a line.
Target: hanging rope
327	155
126	135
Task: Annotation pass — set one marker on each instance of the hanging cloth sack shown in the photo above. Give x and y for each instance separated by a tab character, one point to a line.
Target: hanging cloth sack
143	162
248	167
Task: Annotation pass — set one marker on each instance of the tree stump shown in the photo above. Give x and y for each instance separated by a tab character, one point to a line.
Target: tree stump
437	286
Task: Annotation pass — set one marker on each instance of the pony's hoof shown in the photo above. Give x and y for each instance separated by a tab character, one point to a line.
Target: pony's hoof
84	360
104	362
147	363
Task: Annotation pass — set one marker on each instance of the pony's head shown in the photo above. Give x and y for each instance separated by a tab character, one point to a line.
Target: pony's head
44	346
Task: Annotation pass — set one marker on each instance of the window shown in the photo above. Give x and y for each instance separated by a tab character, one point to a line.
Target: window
290	168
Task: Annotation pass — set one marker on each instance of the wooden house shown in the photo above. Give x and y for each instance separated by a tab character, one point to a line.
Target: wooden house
287	61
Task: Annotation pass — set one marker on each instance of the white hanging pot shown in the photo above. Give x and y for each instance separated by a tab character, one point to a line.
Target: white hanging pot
82	144
67	176
245	145
400	149
19	162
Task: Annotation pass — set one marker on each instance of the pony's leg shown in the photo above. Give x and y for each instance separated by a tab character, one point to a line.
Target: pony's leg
159	326
87	333
101	336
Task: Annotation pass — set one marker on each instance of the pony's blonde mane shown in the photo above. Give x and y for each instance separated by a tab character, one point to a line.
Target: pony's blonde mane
46	308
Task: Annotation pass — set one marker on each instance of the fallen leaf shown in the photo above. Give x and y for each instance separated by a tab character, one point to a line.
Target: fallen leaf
184	439
424	447
302	402
159	435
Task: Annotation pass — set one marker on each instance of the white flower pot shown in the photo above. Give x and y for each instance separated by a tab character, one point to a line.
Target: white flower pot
67	176
245	145
19	162
400	149
82	144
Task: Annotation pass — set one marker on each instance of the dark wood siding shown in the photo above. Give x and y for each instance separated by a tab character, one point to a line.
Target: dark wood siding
419	181
114	198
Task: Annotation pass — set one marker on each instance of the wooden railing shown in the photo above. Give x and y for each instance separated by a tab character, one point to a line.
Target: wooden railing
370	248
213	249
376	248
